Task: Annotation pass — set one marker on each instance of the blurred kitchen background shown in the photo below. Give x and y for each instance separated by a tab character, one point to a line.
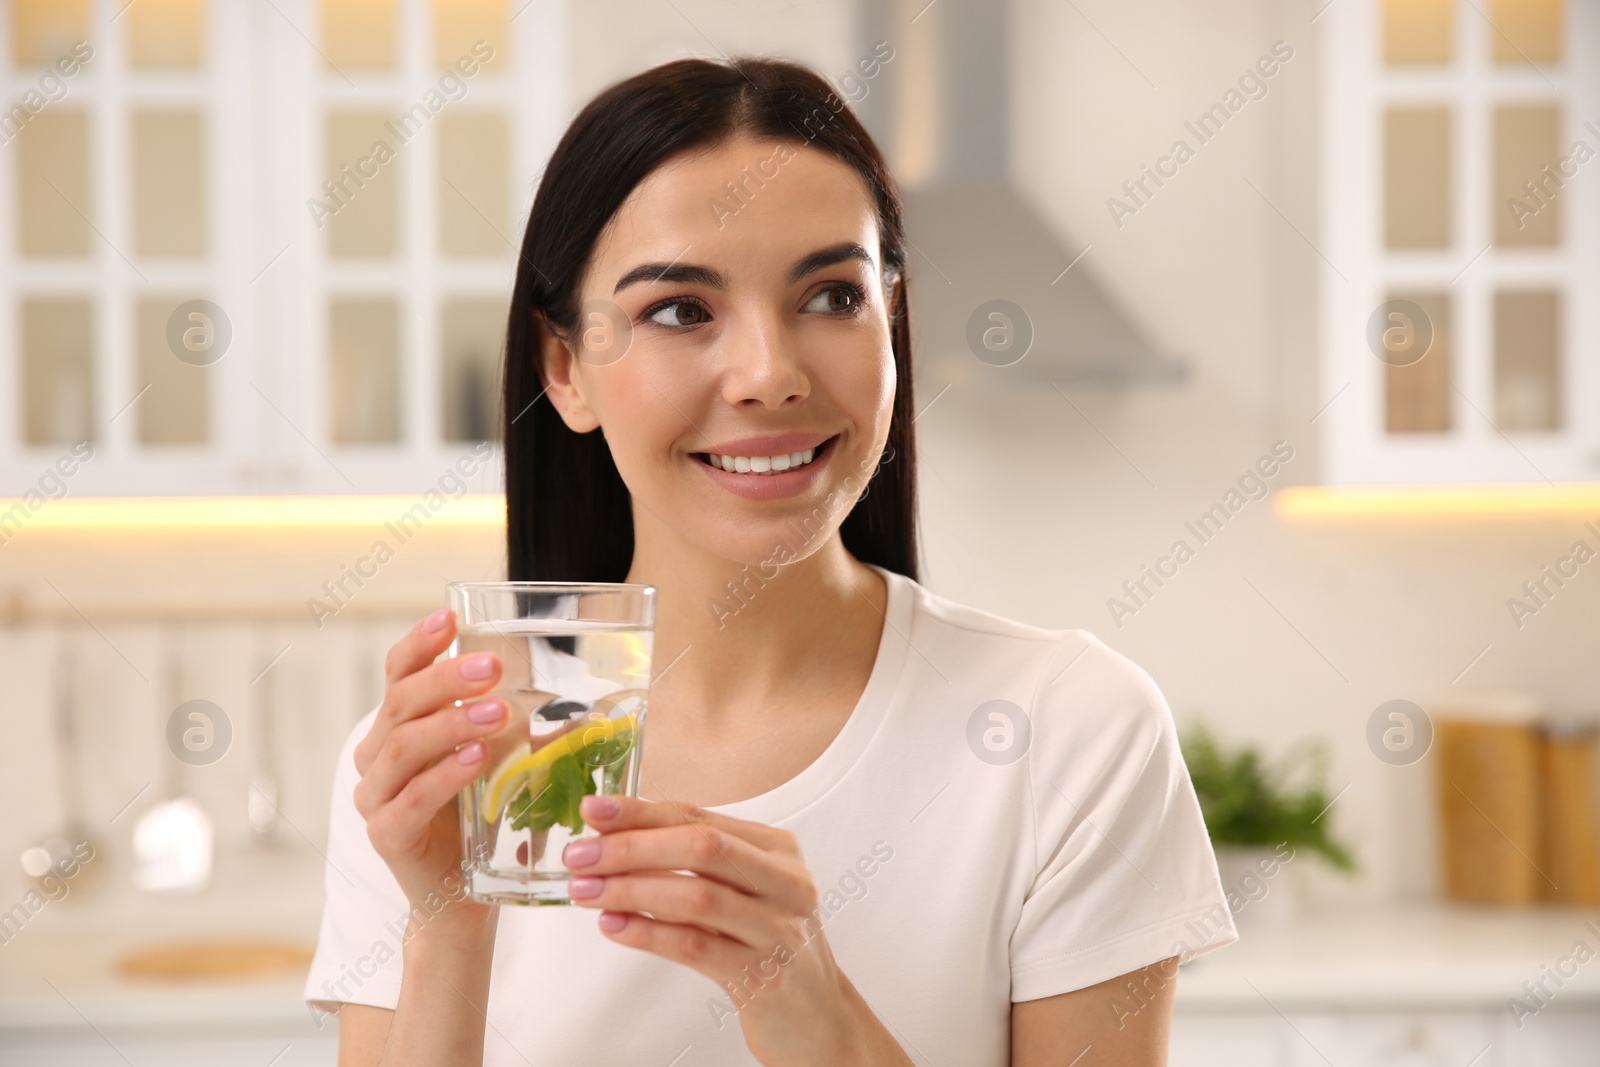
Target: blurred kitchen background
1308	286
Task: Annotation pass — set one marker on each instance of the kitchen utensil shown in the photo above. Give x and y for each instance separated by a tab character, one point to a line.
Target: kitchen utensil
262	809
173	841
71	861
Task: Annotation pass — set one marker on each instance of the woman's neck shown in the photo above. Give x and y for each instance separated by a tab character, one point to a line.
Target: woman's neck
732	639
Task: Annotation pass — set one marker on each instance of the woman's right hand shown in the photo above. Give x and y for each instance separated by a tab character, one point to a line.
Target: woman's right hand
411	769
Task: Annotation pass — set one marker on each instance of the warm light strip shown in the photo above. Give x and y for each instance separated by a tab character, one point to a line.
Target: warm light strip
1439	501
260	512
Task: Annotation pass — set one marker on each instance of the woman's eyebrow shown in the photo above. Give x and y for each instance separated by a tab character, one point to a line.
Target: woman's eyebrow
686	273
827	257
691	274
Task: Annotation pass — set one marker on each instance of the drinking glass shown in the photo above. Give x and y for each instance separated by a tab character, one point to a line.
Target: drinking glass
576	673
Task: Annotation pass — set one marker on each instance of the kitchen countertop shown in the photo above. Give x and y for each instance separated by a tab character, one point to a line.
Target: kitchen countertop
1394	957
58	972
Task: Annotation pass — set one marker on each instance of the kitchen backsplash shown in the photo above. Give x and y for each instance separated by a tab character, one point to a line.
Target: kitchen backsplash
285	697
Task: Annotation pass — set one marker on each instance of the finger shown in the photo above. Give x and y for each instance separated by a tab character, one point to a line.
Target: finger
635	813
712	955
443	682
418	648
678	898
419	743
421	646
706	850
397	826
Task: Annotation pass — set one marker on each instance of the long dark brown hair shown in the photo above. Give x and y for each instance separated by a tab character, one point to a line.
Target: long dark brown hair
568	513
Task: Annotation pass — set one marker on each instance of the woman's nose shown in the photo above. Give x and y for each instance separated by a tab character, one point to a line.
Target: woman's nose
763	362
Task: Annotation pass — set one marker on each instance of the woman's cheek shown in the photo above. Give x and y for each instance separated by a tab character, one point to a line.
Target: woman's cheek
868	387
651	427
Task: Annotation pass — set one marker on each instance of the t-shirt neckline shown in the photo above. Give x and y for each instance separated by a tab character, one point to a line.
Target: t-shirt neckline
848	746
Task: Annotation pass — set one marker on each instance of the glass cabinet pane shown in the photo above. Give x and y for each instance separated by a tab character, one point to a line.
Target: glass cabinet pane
43	31
1417	395
473	334
364	371
1527	360
474	185
1527	182
470	31
1416	177
1418	32
1526	31
53	184
176	410
169	186
360	202
358	34
166	33
57	371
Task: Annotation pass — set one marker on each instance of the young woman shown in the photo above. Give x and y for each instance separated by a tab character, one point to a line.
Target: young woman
877	827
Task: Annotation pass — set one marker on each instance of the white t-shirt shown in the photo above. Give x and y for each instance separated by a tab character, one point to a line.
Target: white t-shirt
1005	816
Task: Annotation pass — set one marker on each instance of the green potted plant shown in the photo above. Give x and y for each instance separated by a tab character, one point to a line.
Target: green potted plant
1261	818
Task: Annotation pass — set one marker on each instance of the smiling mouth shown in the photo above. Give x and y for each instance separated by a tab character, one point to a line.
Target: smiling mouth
767	466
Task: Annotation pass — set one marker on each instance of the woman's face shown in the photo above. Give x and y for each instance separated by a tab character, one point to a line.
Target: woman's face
745	328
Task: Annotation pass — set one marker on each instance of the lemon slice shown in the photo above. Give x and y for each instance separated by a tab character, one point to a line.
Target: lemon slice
533	769
504	783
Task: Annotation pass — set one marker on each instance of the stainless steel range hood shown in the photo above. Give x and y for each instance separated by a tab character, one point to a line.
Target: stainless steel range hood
942	111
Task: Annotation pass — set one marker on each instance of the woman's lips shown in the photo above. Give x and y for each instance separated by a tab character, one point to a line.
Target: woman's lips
770	486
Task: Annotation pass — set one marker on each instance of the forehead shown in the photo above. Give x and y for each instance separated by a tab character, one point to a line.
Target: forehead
751	203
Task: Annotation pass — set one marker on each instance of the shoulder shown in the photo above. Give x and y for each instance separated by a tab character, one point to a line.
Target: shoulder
1067	673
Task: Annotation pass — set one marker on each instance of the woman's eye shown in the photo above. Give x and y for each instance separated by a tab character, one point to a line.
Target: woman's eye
679	313
835	299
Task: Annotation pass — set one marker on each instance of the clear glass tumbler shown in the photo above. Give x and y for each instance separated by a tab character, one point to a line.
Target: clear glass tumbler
576	674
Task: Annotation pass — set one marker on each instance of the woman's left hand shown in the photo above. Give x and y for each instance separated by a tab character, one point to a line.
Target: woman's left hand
747	918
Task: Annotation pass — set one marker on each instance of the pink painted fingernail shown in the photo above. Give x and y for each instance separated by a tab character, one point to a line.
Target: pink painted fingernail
584	888
435	622
470	753
613	921
597	807
478	667
485	711
582	853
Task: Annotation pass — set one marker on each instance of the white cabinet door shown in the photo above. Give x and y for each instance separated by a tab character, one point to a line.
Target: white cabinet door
1568	1037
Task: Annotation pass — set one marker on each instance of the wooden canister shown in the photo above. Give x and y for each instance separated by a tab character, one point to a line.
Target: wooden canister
1570	850
1487	788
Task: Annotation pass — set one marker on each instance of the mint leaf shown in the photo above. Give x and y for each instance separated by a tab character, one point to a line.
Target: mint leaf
571	779
570	782
557	802
527	812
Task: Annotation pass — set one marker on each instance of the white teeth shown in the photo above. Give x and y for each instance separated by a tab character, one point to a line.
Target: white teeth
763	464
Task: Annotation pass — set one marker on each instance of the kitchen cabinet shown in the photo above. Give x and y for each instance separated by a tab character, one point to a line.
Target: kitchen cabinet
1458	243
264	248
